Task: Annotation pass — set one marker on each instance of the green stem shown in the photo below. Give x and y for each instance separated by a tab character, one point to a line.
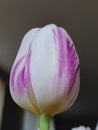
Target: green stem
44	122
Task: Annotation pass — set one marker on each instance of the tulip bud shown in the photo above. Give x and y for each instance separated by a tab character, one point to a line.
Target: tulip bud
45	75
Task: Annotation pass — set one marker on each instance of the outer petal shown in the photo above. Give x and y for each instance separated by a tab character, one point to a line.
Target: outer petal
20	82
68	78
43	68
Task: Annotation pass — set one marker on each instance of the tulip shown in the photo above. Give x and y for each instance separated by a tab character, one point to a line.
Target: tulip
45	75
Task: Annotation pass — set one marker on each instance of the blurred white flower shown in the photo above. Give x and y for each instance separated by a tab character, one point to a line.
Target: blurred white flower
81	128
96	127
84	128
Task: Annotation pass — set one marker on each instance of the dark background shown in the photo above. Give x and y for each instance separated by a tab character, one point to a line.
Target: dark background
80	19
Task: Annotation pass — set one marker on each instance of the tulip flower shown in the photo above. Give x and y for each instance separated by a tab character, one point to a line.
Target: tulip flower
45	75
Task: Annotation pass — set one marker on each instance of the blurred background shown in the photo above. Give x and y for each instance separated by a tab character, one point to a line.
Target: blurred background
80	19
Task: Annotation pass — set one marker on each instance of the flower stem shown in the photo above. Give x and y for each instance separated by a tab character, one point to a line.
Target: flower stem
44	122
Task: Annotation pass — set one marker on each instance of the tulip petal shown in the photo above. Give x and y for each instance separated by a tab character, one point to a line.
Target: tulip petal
68	64
43	67
20	76
17	88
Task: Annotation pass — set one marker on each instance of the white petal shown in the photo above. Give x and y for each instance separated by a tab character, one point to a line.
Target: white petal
43	66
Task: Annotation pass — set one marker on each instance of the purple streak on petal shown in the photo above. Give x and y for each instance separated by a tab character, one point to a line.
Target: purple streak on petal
24	79
68	59
73	64
27	77
20	86
62	61
12	78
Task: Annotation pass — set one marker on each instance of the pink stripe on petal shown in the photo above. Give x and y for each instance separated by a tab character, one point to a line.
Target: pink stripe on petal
73	64
27	77
24	79
20	86
68	60
12	78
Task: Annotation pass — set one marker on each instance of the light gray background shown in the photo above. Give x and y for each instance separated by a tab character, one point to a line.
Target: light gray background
78	17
